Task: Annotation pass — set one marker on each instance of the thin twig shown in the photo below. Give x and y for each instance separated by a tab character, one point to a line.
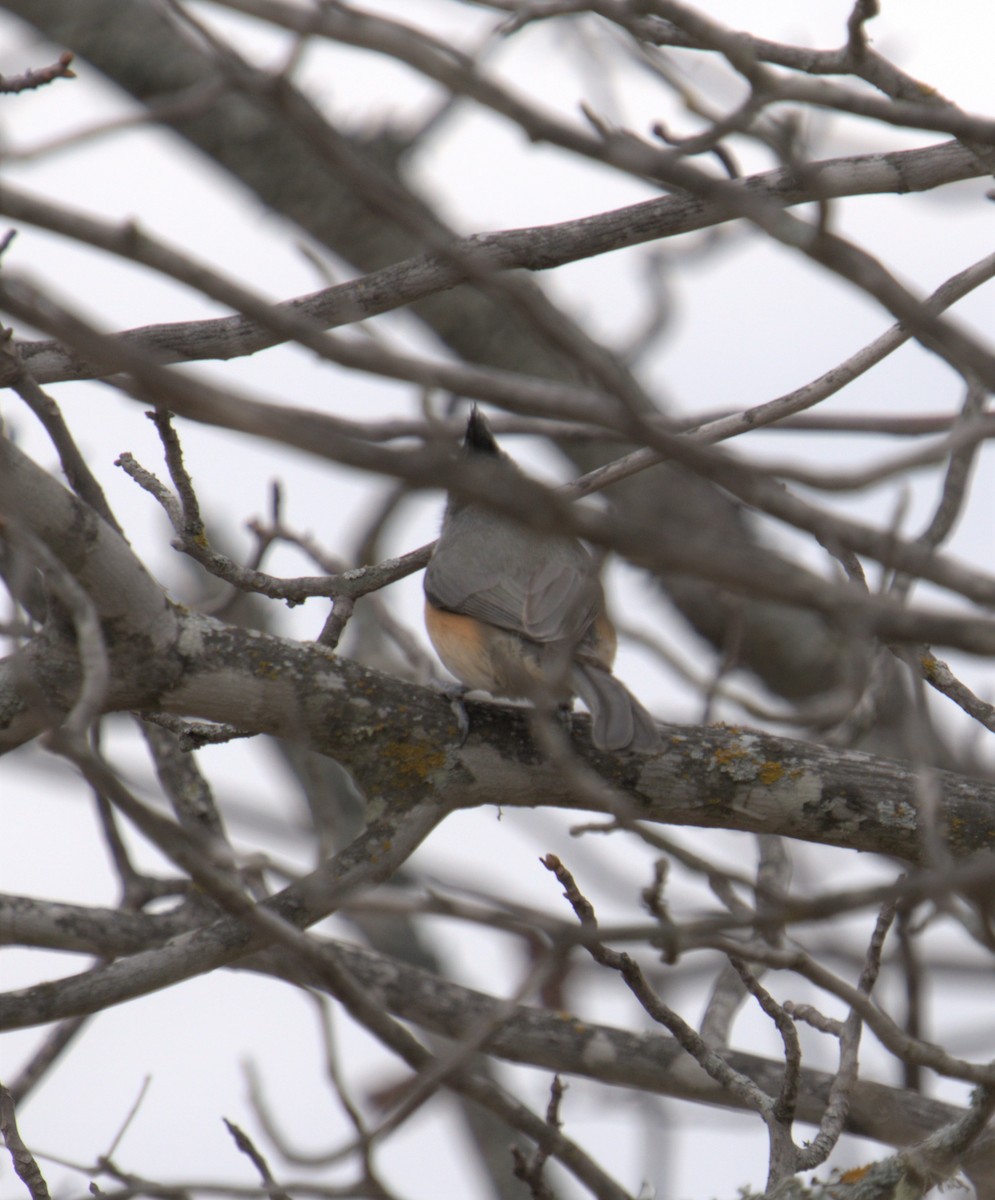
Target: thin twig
31	80
247	1147
25	1166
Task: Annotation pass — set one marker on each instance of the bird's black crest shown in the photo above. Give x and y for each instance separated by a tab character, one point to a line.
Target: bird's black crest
479	439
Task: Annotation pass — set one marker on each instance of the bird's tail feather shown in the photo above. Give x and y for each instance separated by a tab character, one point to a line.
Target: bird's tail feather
618	720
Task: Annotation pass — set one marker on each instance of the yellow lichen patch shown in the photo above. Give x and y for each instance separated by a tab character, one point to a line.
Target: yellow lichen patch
771	773
728	754
377	852
265	669
415	759
576	1024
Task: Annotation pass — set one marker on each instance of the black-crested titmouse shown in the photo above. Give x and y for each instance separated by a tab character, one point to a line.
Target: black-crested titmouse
521	613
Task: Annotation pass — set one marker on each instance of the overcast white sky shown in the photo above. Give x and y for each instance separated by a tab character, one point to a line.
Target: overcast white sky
790	325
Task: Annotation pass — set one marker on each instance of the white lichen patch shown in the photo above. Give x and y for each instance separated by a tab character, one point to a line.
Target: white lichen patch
598	1050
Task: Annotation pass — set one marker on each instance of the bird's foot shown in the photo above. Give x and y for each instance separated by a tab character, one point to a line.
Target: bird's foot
455	692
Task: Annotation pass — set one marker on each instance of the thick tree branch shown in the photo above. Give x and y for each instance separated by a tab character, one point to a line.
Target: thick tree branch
400	743
398	740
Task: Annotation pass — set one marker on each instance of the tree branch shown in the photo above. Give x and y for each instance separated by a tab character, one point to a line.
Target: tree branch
539	248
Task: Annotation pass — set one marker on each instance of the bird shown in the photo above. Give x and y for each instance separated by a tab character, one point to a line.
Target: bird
520	613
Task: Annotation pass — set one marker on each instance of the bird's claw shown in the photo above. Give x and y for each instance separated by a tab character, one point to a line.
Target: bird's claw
455	692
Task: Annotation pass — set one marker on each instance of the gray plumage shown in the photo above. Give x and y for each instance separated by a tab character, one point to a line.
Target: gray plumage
541	598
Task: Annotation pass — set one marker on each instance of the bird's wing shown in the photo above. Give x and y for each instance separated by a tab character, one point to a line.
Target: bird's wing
555	599
562	600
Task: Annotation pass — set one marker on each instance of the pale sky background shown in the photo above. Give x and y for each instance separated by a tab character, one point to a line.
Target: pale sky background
750	323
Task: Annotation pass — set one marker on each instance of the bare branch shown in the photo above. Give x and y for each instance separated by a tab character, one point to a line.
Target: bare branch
246	1146
25	1166
541	248
40	76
